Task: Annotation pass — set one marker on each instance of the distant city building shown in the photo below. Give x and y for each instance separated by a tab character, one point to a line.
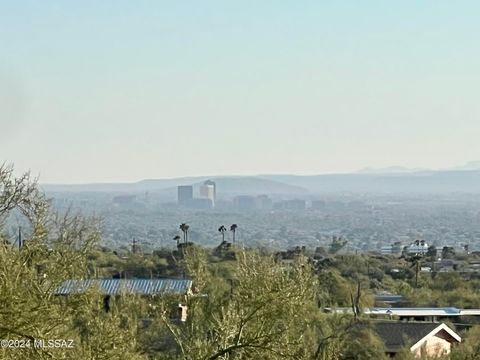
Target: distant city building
355	204
199	204
245	202
223	204
124	199
184	194
386	250
207	191
418	247
395	248
264	202
212	183
318	204
296	204
291	204
335	205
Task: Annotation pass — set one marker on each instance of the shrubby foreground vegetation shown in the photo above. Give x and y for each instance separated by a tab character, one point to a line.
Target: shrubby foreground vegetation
246	304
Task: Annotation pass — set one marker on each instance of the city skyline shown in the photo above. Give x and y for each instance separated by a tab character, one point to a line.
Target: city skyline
119	91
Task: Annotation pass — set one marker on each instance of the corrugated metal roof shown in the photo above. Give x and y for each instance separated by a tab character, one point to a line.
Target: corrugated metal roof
411	312
388	298
449	311
135	286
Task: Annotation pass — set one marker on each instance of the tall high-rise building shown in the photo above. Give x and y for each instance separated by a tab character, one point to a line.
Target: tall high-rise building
209	190
184	194
264	202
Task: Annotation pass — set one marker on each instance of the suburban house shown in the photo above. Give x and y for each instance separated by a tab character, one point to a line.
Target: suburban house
433	314
385	298
144	287
429	314
422	338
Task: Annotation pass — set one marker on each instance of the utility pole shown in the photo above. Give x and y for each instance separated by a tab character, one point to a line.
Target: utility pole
19	237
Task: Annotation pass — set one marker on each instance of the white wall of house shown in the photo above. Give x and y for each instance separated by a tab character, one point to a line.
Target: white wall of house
432	346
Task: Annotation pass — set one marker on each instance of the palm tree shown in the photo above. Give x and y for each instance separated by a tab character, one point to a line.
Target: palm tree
184	227
233	228
177	239
222	229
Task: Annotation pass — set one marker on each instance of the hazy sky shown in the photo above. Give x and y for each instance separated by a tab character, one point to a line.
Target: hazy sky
126	90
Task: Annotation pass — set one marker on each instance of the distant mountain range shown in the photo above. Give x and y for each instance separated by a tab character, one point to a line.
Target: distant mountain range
392	180
251	185
472	165
390	170
466	181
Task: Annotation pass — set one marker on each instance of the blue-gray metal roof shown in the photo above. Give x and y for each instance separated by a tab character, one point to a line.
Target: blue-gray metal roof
129	286
388	298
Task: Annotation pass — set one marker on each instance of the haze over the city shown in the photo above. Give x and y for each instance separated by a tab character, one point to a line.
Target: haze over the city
117	91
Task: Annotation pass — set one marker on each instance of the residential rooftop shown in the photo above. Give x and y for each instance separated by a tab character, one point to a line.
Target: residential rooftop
129	286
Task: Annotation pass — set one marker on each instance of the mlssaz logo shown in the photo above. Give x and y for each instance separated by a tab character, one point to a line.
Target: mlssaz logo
53	343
